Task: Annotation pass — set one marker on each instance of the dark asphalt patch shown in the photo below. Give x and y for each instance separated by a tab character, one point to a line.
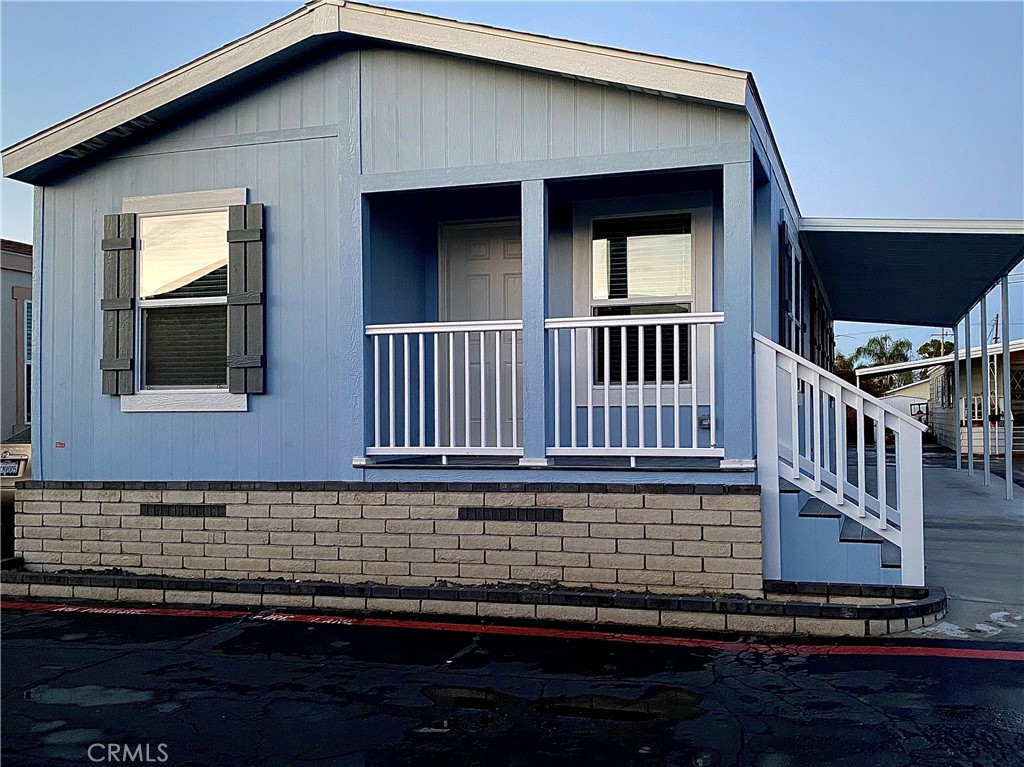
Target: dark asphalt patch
239	692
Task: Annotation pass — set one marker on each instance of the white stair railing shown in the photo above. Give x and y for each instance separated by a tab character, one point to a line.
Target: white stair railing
447	388
803	412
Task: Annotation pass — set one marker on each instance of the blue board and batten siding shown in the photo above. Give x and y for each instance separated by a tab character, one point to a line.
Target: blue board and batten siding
299	144
423	111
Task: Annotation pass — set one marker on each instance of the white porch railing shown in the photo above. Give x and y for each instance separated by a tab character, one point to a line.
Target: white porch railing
802	418
634	385
447	388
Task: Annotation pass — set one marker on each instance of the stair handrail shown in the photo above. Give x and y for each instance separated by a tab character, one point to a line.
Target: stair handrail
845	385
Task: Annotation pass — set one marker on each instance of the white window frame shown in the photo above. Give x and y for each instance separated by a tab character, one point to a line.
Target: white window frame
163	400
698	206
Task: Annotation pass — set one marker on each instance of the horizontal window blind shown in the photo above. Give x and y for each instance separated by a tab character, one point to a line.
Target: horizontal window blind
186	346
642	257
669	350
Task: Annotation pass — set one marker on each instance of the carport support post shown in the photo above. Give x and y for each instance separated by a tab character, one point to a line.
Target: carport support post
969	409
986	446
1007	400
956	396
534	405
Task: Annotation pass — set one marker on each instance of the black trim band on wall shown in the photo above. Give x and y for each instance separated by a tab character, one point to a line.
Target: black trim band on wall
509	514
183	510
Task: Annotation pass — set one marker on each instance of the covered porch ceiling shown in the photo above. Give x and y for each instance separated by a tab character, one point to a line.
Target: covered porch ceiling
910	271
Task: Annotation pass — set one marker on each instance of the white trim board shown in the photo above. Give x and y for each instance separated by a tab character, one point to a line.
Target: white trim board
184	401
912	225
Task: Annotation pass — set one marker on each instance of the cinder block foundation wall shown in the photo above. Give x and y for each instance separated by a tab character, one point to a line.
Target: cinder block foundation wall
677	540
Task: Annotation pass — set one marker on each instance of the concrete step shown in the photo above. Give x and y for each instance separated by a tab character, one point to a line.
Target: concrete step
854	532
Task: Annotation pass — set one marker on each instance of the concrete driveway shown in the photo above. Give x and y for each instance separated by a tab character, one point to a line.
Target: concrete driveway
974	547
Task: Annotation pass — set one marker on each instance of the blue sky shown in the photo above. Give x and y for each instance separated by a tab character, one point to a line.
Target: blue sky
880	109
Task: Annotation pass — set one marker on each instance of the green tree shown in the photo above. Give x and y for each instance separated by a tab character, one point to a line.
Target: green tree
885	350
935	348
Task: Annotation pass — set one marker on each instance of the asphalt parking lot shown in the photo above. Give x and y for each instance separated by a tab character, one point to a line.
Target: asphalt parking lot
251	691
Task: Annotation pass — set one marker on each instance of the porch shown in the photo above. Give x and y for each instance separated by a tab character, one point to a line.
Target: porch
498	335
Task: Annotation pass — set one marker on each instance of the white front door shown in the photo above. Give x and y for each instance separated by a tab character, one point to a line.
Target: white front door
481	278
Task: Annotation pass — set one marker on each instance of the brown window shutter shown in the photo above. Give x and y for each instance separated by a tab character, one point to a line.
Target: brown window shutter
245	299
118	246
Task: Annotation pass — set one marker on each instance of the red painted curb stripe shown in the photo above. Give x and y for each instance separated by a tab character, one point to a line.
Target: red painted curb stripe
536	631
56	607
652	639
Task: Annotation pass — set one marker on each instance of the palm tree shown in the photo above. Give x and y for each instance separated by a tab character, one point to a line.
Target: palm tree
884	350
935	348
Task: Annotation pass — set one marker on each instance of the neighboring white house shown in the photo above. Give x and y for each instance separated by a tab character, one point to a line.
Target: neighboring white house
938	387
942	413
16	347
911	399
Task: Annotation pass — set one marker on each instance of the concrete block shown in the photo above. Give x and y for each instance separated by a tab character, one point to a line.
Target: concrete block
173	596
99	594
830	627
287	600
446	607
504	610
744	502
567	613
339	603
760	624
393	605
695	621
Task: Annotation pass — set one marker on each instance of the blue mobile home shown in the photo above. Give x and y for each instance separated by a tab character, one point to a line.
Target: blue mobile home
343	284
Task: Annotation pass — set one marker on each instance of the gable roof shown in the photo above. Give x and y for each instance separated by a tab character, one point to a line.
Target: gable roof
334	21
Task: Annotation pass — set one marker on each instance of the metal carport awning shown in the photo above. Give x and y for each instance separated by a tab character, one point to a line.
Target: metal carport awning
910	271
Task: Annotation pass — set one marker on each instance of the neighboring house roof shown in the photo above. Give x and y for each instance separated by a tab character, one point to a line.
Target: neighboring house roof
994	349
16	256
322	21
13	246
908	390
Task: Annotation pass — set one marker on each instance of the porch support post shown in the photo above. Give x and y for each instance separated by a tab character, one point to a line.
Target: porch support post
735	383
535	310
956	396
969	409
986	446
1007	400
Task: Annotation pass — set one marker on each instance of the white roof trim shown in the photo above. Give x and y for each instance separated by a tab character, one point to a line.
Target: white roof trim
994	349
912	225
660	74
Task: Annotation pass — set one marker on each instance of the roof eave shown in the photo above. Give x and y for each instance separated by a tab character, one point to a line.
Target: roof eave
127	113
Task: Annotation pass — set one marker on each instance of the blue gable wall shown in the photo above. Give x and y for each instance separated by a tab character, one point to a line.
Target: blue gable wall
298	144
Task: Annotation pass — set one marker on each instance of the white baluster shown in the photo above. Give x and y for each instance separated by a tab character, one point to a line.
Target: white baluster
376	391
711	384
422	392
657	384
406	393
623	374
573	363
607	386
558	389
499	441
590	387
675	378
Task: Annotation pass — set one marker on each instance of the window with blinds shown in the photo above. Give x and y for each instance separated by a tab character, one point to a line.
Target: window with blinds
183	300
642	258
642	265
